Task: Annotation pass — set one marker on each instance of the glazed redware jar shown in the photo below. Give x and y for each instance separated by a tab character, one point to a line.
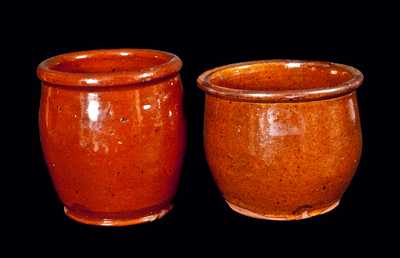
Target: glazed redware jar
113	133
282	138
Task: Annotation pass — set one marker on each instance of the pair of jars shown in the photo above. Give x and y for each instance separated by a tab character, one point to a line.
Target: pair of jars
282	138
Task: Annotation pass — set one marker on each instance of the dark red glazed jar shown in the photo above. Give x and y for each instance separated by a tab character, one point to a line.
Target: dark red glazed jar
113	133
282	137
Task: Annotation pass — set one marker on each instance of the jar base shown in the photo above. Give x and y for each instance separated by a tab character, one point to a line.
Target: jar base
305	215
116	222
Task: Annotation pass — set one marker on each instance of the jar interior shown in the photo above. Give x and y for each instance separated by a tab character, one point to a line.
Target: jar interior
280	75
109	63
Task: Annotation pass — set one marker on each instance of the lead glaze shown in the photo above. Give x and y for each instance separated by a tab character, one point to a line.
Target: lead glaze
282	137
113	133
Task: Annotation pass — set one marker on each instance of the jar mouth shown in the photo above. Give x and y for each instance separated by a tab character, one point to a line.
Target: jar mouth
108	67
280	80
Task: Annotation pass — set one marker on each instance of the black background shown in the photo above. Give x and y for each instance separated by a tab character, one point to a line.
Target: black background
205	37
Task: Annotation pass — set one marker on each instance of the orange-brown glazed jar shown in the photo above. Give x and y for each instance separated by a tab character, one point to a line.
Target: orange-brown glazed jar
282	137
113	133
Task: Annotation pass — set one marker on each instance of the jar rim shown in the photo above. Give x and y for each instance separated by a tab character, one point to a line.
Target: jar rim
205	83
168	65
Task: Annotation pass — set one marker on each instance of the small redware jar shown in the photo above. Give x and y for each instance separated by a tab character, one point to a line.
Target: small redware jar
113	133
282	137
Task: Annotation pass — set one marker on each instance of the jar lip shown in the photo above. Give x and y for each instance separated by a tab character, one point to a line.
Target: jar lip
47	72
292	95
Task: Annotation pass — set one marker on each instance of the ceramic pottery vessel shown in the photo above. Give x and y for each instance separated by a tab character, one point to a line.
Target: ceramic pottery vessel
282	138
113	133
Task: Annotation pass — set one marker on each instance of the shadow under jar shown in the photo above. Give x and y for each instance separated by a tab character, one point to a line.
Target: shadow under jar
282	137
113	133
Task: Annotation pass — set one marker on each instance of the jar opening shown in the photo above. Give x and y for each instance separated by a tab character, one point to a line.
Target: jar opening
108	67
281	80
108	64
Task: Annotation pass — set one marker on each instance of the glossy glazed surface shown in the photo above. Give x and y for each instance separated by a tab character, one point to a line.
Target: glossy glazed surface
114	148
275	152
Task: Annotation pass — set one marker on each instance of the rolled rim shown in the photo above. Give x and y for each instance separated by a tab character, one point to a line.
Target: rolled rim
47	70
292	95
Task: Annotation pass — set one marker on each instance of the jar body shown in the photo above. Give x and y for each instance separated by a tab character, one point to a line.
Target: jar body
114	153
282	161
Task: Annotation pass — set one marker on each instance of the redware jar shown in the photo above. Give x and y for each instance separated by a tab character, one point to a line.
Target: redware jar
282	137
113	133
